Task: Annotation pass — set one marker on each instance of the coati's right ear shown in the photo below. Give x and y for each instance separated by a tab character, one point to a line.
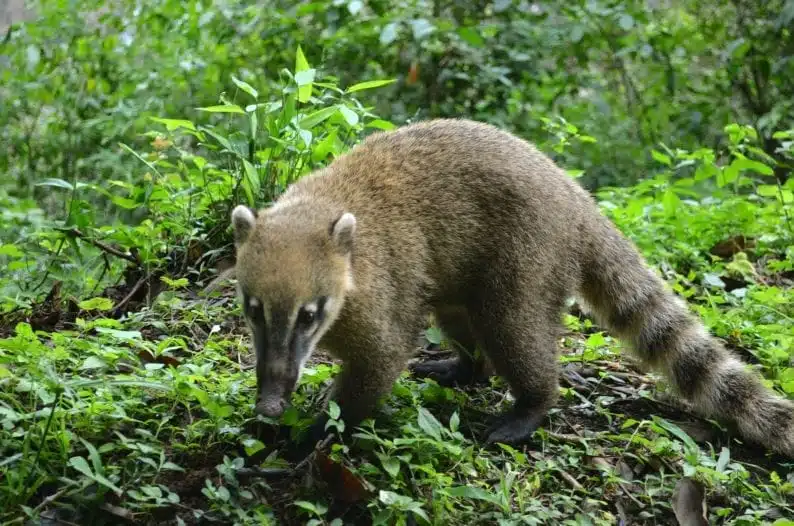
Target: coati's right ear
343	231
243	219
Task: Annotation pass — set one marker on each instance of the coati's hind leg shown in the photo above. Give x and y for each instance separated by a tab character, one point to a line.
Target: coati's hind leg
469	366
519	337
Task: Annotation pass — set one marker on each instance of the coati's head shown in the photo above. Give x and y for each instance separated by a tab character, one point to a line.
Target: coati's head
293	272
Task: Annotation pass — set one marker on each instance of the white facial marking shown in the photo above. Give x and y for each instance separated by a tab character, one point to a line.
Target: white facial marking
254	303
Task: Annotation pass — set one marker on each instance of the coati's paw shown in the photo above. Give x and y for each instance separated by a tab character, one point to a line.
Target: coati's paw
316	431
447	373
514	428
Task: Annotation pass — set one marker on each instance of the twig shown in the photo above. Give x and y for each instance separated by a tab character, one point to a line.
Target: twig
322	445
129	296
102	246
263	472
570	480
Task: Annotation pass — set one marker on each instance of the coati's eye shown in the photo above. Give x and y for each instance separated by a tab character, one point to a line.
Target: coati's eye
306	316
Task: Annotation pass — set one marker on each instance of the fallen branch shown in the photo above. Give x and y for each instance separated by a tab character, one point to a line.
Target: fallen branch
102	246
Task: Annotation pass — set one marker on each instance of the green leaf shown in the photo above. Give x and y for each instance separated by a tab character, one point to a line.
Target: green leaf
722	462
660	157
245	87
96	304
380	124
223	108
428	423
755	166
767	190
626	22
58	183
174	124
434	335
305	82
454	422
390	464
252	446
11	251
333	410
472	492
471	36
369	85
350	116
389	33
81	465
251	186
92	362
313	119
121	335
220	138
670	201
677	432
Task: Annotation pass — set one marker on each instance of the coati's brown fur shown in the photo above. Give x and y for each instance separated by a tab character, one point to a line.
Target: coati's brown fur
476	225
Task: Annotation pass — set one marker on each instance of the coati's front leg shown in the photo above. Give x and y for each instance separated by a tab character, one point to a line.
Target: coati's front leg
361	384
465	369
519	339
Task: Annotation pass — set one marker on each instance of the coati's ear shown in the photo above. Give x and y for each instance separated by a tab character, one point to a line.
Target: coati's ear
343	231
243	219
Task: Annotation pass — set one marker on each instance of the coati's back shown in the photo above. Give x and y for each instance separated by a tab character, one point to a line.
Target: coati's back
478	226
453	194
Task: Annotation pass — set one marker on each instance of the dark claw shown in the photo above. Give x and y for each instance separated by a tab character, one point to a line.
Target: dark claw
447	373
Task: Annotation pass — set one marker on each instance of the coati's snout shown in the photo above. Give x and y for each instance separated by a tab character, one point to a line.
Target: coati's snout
293	273
275	380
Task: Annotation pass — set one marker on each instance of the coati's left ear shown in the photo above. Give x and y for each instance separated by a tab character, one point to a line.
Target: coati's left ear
343	232
243	219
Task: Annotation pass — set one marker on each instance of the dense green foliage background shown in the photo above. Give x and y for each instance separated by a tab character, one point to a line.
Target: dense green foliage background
129	129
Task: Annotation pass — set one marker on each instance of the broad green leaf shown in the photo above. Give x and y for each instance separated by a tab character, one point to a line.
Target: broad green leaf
350	116
174	124
245	87
223	108
471	36
660	157
252	182
92	362
58	183
313	119
252	446
121	335
333	410
454	422
767	190
428	423
626	22
472	492
11	251
380	124
81	465
389	33
369	85
390	464
325	147
96	304
755	166
305	82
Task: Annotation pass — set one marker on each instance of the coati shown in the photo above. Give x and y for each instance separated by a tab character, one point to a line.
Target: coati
477	226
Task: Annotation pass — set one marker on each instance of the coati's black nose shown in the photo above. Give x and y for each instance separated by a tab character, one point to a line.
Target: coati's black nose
270	407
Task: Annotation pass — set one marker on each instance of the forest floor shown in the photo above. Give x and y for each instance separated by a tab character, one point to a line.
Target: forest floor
163	398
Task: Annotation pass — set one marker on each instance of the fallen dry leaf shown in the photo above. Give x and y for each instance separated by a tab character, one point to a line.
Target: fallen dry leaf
346	486
689	503
732	245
